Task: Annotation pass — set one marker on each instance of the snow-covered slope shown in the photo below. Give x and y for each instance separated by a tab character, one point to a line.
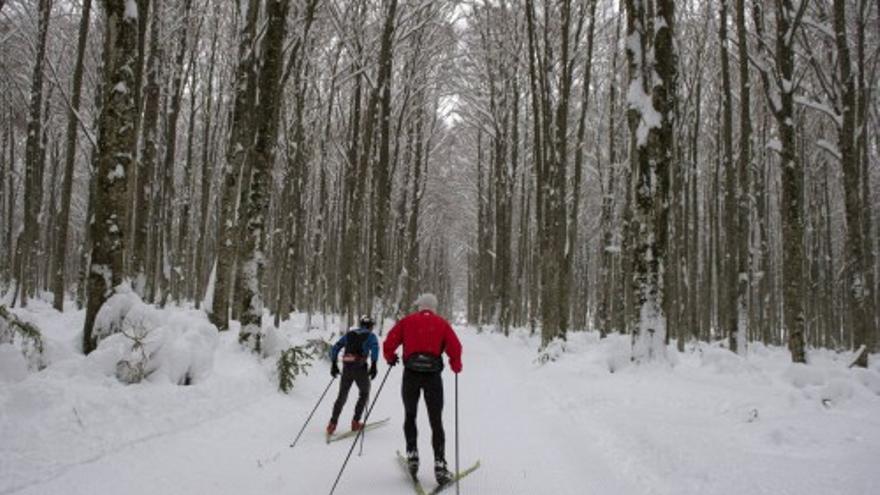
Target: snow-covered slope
709	423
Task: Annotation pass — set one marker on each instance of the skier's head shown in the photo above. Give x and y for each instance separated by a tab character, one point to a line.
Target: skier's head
426	301
367	322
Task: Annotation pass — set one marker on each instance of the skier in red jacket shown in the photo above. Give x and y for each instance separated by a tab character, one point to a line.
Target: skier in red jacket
425	336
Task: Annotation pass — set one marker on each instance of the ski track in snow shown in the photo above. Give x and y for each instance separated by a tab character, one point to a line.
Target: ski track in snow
566	428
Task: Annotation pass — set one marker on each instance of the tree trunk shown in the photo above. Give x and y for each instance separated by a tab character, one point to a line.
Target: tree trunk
792	185
651	113
202	269
58	278
169	274
33	158
116	144
262	159
146	197
857	289
381	178
240	141
727	311
742	235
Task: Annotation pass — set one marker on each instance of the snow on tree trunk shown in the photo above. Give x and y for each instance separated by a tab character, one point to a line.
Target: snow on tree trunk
116	143
858	290
240	139
262	160
34	152
780	98
651	113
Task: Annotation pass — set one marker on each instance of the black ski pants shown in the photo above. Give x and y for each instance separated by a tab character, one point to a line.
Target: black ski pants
414	383
352	373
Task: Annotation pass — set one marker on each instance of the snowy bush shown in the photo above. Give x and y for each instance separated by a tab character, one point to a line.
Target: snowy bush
553	351
111	317
618	351
24	337
184	355
293	362
144	343
133	367
319	348
273	342
251	337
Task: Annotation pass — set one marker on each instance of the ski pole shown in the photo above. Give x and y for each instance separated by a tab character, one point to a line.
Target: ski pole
313	412
360	432
367	417
457	488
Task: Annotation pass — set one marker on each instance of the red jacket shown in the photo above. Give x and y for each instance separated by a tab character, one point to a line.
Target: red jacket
426	332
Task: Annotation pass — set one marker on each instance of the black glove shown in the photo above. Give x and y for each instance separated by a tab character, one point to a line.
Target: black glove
373	371
334	370
393	361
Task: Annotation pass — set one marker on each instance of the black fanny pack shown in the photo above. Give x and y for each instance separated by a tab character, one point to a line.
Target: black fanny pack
424	363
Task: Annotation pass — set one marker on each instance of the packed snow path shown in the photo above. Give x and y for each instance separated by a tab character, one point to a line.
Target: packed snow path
701	427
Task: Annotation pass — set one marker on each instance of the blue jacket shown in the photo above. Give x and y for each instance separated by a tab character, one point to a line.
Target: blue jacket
370	344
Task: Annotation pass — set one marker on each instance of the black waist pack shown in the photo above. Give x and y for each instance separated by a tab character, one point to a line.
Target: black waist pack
424	363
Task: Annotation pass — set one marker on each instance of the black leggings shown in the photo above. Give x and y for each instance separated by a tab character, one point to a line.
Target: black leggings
352	373
432	384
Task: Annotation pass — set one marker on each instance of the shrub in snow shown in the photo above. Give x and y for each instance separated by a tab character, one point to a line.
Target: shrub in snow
251	337
553	351
147	344
320	348
111	316
133	367
292	363
13	367
273	342
184	355
23	336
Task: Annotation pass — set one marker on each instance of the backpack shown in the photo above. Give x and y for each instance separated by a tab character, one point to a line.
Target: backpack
354	351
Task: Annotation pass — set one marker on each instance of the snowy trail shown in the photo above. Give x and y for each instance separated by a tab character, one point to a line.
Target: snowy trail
710	424
525	447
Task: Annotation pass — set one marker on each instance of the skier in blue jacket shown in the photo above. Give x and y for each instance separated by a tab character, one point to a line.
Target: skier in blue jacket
359	343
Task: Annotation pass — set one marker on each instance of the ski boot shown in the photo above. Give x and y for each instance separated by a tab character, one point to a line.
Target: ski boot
356	425
412	462
441	472
331	428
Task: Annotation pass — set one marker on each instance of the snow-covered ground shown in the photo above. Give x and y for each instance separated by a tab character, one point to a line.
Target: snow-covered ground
708	423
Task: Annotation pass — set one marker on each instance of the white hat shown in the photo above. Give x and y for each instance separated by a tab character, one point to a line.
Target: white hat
426	301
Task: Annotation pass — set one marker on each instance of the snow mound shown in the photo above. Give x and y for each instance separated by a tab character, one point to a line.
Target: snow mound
113	313
869	378
801	375
617	352
13	367
837	390
157	345
723	361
